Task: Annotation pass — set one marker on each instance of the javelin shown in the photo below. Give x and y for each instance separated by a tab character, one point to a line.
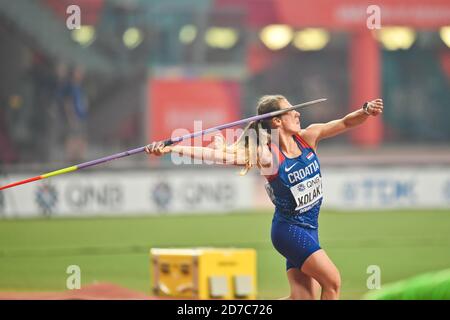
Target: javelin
167	142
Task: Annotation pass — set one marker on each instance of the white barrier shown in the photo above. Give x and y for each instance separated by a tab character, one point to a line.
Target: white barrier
379	188
122	193
221	190
385	188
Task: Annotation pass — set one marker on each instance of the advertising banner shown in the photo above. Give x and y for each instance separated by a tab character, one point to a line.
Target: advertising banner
129	193
209	191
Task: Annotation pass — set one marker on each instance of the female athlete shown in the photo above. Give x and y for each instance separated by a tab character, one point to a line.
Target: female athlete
294	186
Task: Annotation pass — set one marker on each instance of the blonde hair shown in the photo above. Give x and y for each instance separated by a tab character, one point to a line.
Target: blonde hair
248	142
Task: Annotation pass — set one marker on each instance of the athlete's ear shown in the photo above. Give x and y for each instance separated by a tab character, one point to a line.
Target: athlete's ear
276	122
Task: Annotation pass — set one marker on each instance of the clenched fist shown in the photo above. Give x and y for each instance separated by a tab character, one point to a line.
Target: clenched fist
375	107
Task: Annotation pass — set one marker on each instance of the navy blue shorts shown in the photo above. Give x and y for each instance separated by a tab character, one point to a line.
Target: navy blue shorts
294	242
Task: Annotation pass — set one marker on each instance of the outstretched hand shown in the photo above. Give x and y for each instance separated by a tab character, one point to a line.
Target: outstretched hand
157	148
375	107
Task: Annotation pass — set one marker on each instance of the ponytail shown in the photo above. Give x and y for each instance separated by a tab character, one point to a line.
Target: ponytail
250	143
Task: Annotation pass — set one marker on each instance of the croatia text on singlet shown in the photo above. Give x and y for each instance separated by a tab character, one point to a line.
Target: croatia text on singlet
296	188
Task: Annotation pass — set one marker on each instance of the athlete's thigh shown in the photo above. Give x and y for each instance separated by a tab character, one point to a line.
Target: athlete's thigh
319	266
294	242
302	285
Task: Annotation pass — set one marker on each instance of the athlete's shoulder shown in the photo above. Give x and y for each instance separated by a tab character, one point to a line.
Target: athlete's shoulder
308	136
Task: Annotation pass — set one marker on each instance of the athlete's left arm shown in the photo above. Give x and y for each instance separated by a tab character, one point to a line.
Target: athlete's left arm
318	131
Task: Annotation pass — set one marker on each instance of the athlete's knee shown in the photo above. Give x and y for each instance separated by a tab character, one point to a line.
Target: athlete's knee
302	286
333	282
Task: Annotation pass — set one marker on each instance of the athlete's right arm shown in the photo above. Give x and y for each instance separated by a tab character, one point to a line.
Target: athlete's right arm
216	155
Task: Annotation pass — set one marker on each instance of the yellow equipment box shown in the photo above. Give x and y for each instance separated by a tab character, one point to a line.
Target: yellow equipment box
204	273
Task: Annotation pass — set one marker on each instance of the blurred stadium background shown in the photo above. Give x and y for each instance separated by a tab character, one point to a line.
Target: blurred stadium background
136	70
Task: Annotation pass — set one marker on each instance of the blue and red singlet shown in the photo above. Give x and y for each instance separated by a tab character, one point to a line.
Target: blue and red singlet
296	191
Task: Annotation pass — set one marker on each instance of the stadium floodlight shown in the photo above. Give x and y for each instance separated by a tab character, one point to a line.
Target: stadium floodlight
445	35
276	36
221	37
85	35
311	39
132	37
187	34
396	38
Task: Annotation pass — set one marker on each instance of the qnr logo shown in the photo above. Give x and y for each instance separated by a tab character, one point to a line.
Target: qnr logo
201	193
380	191
82	196
46	197
162	195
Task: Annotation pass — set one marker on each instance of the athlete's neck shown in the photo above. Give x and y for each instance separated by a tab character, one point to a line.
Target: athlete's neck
289	146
